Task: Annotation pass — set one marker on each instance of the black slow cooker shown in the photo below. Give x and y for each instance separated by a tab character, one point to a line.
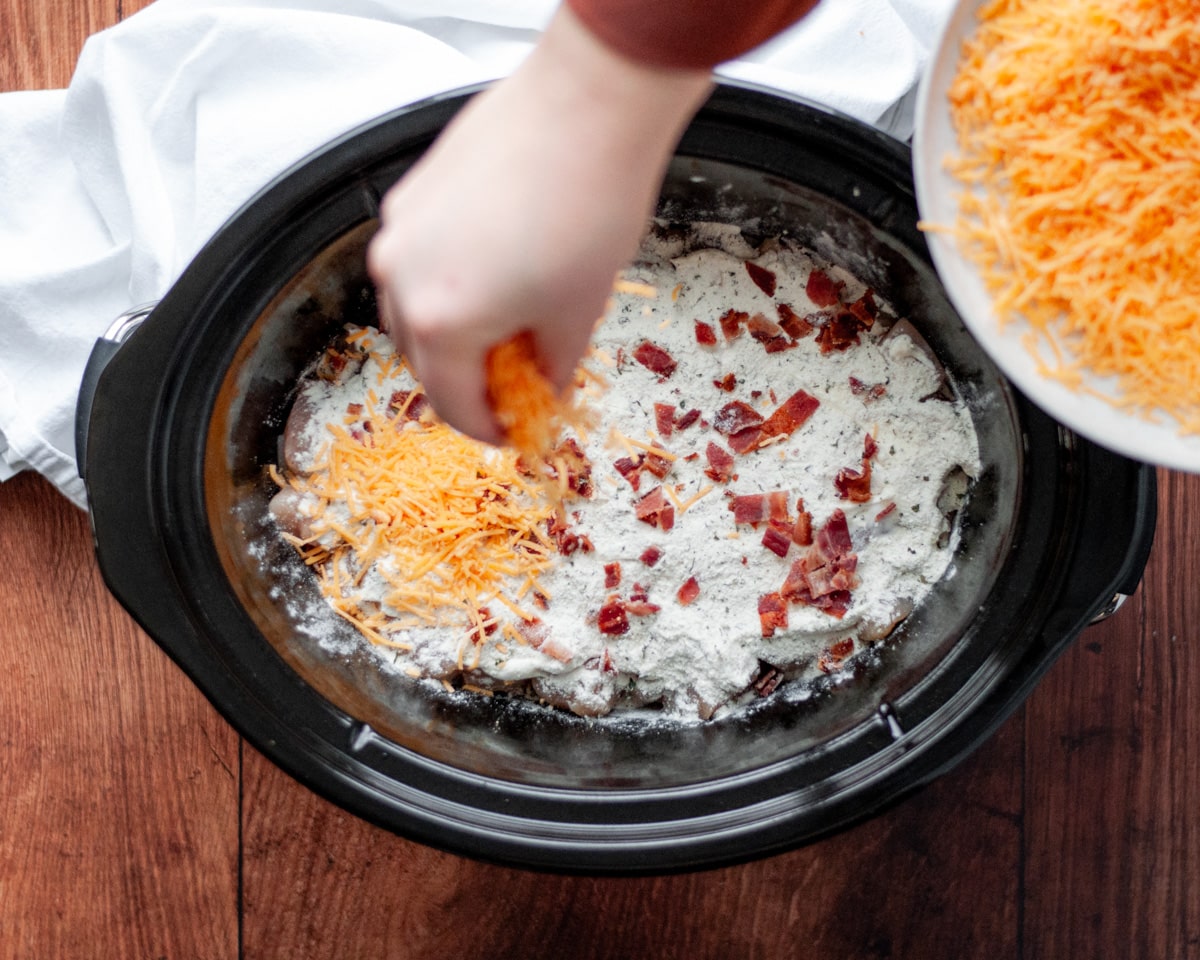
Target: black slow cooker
178	422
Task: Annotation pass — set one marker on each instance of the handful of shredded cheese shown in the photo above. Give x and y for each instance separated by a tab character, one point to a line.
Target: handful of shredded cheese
525	403
1079	129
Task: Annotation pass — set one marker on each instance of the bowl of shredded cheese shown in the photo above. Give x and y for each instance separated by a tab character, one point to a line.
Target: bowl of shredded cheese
1057	176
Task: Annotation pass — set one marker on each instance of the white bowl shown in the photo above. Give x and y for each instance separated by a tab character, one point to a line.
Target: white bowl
937	200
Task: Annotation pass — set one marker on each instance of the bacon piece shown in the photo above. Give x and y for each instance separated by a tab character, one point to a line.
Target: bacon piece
836	655
741	424
768	679
833	539
772	613
769	334
651	555
776	541
630	469
416	406
855	485
578	466
612	620
792	323
864	310
612	575
727	383
659	466
687	419
790	415
655	359
564	538
720	463
840	333
688	592
706	336
885	511
802	531
763	278
821	289
777	506
731	323
749	508
641	608
664	418
654	510
868	393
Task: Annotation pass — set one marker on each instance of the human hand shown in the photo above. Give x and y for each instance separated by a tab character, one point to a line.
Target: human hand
520	215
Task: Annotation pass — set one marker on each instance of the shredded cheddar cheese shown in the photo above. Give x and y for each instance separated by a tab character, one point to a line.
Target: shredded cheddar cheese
443	519
1078	124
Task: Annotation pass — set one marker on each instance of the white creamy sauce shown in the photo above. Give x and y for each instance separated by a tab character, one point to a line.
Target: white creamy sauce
702	657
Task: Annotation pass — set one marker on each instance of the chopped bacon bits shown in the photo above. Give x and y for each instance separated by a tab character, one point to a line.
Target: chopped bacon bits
868	393
688	592
776	541
802	531
630	468
763	278
654	510
664	419
821	289
772	613
706	336
727	383
825	575
768	679
651	555
741	424
685	420
655	359
720	463
855	485
836	655
641	608
840	333
885	511
579	468
612	620
731	323
749	508
769	334
414	408
791	415
865	310
792	323
612	575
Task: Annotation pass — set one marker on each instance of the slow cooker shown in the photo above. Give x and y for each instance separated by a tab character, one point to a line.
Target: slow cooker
181	413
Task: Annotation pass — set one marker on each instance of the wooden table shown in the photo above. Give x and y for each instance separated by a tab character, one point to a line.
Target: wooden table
135	823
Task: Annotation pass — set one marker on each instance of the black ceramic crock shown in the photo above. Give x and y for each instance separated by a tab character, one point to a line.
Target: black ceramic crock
178	423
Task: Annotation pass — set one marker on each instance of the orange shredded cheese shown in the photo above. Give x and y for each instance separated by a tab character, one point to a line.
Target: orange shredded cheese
455	519
1078	124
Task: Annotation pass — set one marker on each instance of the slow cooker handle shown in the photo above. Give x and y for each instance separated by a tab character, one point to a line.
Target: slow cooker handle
102	352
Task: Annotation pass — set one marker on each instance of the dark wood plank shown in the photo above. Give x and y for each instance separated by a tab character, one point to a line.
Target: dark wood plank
118	782
1113	851
937	876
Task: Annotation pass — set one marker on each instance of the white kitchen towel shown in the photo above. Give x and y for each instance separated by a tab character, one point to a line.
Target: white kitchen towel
176	116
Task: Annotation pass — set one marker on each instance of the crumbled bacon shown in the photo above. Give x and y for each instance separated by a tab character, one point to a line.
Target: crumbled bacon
772	613
685	420
651	555
769	334
706	336
792	323
731	323
864	310
767	680
654	510
776	541
563	536
655	359
612	575
825	575
612	620
664	418
790	415
868	393
726	383
821	289
836	655
763	278
755	508
839	333
741	424
688	592
657	465
416	406
720	463
885	511
578	466
802	531
855	485
641	608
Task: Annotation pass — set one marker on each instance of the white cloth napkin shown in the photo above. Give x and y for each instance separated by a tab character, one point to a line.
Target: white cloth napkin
179	114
